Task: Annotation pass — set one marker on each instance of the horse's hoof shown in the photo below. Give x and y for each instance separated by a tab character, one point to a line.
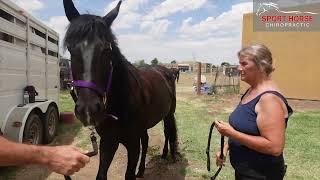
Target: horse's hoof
139	176
164	156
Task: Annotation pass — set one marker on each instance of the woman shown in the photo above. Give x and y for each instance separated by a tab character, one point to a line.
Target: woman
256	128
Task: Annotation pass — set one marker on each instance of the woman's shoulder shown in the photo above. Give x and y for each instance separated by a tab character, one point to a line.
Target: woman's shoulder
273	99
272	94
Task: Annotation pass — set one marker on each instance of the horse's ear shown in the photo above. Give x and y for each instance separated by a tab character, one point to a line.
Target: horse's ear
70	10
111	16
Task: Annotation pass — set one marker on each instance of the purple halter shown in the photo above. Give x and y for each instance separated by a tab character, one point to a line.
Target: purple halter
87	84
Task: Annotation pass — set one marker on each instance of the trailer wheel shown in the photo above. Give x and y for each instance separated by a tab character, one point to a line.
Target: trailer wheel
33	130
50	124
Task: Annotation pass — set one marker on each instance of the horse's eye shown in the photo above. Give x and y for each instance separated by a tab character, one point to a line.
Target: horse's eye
108	46
69	48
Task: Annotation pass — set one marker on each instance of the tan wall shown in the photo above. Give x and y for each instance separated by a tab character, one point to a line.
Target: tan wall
296	59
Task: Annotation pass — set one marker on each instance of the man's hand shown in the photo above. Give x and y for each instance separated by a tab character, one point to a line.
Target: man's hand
65	160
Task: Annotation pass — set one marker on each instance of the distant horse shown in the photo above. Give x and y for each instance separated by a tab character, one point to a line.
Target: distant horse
121	101
176	73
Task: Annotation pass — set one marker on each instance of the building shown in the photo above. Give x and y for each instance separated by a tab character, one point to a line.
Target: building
296	59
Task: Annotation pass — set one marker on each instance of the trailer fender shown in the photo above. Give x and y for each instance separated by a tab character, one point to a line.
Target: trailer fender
16	119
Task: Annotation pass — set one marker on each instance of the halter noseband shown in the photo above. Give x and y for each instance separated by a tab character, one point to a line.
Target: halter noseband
87	84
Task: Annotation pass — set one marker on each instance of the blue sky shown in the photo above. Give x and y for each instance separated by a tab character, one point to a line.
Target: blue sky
181	30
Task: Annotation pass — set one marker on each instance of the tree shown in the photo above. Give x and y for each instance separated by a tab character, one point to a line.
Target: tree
174	62
139	63
154	61
225	64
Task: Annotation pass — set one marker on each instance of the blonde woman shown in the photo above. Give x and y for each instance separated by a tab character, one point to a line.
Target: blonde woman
256	128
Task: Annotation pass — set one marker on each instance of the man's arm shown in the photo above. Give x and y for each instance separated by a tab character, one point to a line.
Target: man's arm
61	159
13	154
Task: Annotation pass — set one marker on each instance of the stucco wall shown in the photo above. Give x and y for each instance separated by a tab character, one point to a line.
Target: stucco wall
296	59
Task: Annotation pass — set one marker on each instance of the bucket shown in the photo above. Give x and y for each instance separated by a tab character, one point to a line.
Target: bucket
67	117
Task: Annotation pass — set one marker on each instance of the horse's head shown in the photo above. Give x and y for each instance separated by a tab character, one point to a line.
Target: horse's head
266	7
91	44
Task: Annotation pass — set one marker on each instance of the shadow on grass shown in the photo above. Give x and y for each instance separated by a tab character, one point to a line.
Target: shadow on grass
158	168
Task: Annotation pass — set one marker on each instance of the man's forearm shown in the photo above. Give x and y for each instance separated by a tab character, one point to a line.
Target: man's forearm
15	154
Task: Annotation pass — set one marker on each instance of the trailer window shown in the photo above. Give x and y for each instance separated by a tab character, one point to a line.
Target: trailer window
6	16
39	33
52	53
6	37
43	50
20	23
52	40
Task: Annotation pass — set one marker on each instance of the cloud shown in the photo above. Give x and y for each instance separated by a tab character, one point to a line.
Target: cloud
155	28
30	5
169	7
130	13
215	39
227	23
59	24
144	46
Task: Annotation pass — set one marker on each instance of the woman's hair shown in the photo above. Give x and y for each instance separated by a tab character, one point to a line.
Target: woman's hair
261	56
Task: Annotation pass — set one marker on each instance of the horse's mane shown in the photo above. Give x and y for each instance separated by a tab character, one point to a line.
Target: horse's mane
88	27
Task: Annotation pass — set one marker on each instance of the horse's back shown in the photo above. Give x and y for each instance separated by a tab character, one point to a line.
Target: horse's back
157	89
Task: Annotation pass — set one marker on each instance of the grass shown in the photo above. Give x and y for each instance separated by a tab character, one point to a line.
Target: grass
193	124
76	129
302	149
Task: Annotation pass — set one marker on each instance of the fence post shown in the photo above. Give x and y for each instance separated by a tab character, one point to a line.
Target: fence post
199	79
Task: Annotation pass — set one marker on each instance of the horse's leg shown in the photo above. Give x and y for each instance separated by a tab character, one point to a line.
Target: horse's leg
178	74
166	142
133	148
171	128
144	143
107	151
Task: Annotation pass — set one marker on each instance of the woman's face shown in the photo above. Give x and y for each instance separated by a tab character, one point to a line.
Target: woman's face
248	69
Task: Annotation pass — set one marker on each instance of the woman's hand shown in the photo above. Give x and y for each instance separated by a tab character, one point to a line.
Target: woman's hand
224	128
220	162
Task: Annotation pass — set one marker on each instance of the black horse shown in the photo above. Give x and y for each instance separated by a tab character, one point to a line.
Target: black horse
176	73
121	101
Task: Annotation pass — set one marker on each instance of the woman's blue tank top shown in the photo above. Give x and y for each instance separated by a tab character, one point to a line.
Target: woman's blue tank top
244	119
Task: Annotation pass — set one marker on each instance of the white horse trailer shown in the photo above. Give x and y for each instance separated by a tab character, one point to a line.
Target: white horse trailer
29	56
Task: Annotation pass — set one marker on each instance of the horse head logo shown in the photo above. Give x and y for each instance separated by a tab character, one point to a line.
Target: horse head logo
265	7
269	6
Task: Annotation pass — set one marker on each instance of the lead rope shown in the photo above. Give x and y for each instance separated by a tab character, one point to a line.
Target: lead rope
208	152
92	135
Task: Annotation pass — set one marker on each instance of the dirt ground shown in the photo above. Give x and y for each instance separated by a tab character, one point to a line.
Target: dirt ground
156	168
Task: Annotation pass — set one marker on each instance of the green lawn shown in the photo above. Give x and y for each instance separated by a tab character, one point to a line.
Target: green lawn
76	129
